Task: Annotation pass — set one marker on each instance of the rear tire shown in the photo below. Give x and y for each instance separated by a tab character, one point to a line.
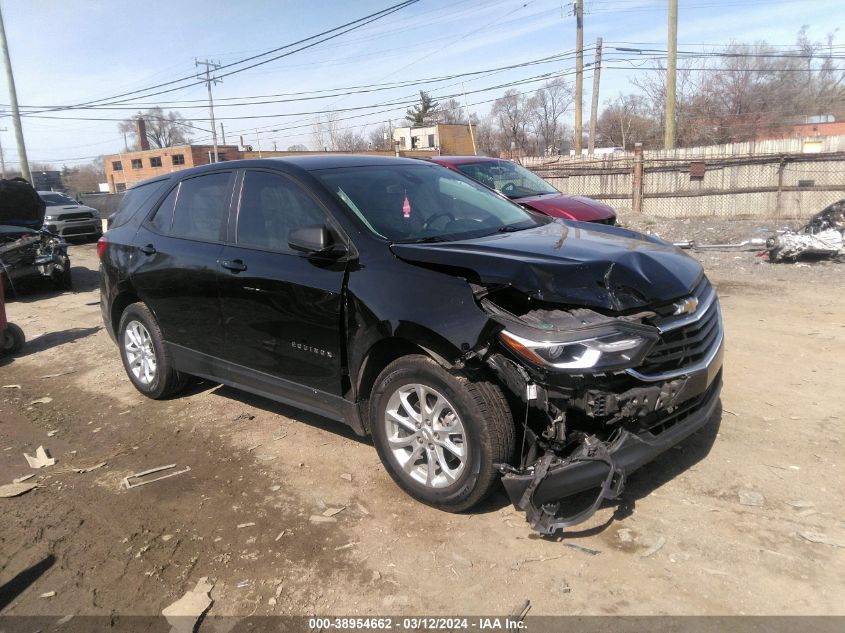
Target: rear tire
145	357
442	454
13	339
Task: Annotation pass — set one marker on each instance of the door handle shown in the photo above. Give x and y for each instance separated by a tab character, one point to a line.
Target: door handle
235	265
149	249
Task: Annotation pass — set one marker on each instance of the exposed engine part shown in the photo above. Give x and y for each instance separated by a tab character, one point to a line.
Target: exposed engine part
790	247
634	403
823	237
37	251
832	217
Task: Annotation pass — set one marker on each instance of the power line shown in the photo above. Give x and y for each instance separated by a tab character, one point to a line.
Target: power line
336	32
312	94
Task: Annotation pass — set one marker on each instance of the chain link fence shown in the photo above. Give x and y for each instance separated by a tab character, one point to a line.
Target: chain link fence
698	183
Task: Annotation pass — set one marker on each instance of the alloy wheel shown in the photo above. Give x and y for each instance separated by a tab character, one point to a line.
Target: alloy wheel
140	353
425	435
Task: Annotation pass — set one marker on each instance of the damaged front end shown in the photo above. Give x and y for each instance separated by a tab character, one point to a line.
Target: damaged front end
26	253
603	393
26	249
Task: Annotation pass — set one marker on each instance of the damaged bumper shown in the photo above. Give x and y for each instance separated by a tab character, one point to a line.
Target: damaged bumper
656	415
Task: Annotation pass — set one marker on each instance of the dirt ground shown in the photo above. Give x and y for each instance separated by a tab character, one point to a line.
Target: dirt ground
684	539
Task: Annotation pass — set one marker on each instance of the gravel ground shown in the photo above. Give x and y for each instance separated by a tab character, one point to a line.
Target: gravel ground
746	517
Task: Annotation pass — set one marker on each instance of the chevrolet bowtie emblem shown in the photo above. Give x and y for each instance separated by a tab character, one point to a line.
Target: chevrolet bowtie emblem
687	306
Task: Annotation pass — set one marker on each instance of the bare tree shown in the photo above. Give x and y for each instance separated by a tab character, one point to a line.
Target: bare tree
299	147
350	141
325	132
163	129
547	107
487	137
624	121
452	111
379	137
513	116
83	178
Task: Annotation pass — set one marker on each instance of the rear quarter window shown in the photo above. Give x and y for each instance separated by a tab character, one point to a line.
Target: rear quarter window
138	197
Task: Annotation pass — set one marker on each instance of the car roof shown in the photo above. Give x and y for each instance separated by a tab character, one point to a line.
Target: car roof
304	163
334	161
463	160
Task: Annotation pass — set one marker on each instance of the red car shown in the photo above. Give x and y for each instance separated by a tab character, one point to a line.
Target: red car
527	188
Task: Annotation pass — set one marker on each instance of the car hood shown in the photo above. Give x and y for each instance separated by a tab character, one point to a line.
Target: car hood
61	208
20	205
571	263
568	207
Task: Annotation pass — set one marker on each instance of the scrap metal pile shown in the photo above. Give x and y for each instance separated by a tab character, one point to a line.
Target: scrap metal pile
823	237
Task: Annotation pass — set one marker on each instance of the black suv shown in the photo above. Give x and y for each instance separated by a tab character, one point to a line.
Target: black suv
470	338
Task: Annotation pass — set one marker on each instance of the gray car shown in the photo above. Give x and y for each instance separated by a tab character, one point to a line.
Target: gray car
68	218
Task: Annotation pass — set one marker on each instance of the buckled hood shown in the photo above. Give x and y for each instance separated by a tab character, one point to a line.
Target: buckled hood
20	205
570	263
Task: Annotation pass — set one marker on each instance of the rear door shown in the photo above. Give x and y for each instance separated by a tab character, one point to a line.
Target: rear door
175	264
281	308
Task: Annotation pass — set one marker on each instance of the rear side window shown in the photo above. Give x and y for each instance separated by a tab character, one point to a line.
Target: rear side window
271	207
163	217
137	198
201	207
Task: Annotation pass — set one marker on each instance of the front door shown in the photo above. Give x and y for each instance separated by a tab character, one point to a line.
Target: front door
281	308
175	263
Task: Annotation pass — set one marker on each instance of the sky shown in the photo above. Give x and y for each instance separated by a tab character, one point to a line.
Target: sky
68	52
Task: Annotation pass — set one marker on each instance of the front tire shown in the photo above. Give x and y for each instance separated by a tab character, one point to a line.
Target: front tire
145	357
439	433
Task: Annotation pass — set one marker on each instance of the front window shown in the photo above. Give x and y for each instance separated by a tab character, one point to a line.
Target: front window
511	179
421	203
57	199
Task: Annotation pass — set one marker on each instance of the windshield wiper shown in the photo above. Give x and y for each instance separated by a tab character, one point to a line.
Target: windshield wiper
423	240
511	228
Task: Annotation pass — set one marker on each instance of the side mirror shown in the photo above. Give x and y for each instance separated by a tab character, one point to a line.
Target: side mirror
314	238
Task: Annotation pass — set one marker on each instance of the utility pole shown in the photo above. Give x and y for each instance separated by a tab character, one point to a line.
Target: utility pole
208	79
579	74
594	108
222	133
2	155
469	121
671	77
13	98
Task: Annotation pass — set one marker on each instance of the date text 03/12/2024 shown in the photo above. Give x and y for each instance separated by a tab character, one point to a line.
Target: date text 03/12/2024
416	624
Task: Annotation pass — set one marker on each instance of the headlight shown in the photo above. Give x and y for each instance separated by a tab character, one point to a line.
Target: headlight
601	349
51	217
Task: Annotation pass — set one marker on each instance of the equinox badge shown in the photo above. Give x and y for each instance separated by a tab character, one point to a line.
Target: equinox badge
687	306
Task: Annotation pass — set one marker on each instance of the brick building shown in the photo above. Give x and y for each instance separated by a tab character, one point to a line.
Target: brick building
125	169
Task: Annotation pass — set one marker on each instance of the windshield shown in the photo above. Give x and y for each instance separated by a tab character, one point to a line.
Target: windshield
57	199
420	203
511	179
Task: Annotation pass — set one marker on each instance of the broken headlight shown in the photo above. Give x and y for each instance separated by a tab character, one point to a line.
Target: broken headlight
600	349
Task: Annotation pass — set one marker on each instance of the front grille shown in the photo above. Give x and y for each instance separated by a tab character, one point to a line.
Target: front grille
83	215
683	342
86	229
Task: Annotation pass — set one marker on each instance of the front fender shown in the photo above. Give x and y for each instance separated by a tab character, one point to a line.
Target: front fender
426	309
